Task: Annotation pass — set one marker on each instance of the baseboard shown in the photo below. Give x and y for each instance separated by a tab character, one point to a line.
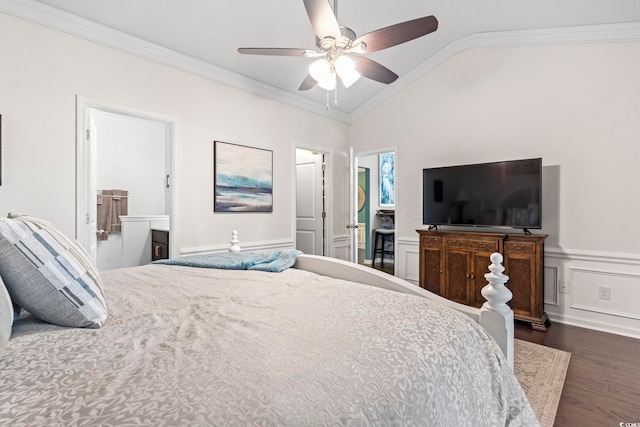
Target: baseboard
596	326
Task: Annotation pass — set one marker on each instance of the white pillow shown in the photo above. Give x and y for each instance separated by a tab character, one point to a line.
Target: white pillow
50	275
6	316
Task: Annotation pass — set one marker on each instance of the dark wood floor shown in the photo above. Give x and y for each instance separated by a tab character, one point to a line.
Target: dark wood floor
387	267
602	387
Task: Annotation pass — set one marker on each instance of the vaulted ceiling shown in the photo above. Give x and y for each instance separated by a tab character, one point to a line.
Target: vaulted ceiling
212	31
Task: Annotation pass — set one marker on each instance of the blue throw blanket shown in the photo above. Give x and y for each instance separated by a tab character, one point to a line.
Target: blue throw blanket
274	262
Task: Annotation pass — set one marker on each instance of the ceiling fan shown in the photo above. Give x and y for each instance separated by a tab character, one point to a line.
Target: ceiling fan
340	51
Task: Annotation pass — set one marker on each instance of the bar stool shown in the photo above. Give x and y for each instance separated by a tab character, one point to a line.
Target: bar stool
384	235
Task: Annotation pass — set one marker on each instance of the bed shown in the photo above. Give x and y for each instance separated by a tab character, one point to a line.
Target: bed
193	345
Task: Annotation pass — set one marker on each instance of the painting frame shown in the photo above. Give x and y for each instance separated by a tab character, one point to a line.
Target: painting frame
242	178
386	175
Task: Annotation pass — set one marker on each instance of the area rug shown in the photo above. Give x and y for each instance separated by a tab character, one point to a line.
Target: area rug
541	371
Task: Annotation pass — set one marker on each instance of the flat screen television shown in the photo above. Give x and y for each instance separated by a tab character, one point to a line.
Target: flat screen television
498	194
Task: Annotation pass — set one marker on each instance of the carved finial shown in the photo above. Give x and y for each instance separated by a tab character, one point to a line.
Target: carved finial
496	293
235	243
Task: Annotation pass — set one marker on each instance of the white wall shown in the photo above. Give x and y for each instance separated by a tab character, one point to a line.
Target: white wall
578	107
131	156
42	72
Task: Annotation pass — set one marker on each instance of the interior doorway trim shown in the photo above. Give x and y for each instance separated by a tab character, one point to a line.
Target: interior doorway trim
83	107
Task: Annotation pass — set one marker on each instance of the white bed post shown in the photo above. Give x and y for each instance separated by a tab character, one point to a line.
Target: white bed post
495	315
235	243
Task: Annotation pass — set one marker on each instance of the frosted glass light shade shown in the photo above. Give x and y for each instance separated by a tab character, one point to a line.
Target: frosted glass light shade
320	69
346	69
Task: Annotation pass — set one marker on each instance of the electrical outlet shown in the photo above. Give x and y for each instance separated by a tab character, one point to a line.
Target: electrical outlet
564	287
417	215
604	292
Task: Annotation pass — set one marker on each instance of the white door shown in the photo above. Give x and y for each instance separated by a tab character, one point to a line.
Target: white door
92	174
310	213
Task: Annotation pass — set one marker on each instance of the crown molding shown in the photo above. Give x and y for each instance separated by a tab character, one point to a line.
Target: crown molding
600	33
63	21
57	19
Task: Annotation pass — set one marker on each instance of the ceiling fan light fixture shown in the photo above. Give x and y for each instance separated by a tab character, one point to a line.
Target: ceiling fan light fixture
346	69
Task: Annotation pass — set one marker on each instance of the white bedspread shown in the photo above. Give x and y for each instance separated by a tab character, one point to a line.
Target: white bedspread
187	346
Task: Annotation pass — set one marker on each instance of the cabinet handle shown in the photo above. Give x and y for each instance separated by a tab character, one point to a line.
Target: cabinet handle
472	276
440	271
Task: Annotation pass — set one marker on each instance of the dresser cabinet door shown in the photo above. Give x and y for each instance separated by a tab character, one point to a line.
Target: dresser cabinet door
457	274
431	268
432	274
520	266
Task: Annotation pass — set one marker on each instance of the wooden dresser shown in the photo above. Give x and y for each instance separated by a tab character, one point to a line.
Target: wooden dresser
453	265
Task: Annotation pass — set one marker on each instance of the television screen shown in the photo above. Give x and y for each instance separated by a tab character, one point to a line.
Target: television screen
499	194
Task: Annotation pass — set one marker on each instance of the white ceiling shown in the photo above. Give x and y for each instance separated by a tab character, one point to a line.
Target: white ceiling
212	30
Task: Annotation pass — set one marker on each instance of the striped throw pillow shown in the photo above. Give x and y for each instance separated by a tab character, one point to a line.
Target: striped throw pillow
50	275
6	316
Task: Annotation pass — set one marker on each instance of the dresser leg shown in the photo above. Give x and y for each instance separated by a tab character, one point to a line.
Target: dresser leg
541	324
538	324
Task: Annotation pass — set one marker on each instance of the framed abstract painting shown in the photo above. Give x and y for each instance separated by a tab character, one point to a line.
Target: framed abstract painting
243	178
387	163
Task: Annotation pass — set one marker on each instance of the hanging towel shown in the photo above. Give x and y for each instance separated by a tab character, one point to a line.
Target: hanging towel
104	210
120	206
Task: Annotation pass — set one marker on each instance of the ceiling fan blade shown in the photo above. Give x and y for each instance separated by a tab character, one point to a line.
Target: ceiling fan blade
322	18
308	83
274	51
398	33
375	71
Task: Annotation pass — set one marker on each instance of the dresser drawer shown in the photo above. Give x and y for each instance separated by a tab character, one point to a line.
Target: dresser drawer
431	240
476	245
520	247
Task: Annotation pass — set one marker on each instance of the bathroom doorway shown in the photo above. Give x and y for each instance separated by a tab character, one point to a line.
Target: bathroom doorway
126	159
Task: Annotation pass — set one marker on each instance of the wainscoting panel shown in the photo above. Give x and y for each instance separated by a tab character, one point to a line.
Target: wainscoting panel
595	290
341	245
606	292
409	261
246	246
550	285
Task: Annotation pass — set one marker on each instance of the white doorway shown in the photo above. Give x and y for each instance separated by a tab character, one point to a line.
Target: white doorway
120	148
370	211
311	224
